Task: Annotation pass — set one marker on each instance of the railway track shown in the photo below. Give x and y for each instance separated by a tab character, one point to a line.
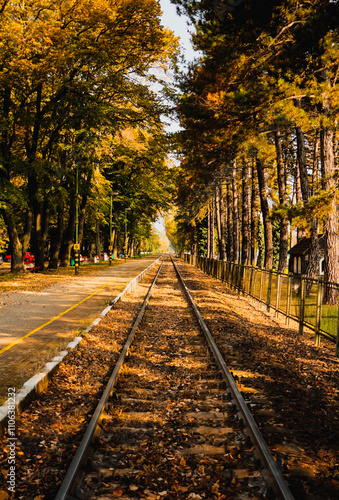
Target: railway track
171	422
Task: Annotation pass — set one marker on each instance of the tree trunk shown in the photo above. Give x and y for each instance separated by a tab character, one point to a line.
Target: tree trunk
331	258
253	214
18	247
220	211
208	232
41	232
131	248
313	270
211	232
315	170
138	248
115	237
281	174
56	240
82	209
97	238
235	209
17	262
194	239
27	231
266	215
328	170
68	238
230	223
300	179
245	215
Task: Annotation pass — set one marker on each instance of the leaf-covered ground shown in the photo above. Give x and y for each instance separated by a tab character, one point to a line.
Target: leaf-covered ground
35	282
299	380
50	430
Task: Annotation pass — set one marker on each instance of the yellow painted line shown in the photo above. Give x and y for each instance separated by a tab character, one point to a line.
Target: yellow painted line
9	346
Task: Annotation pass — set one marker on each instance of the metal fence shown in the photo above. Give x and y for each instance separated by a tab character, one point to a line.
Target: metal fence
299	298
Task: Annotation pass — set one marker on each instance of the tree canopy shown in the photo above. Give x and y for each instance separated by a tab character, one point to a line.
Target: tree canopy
74	74
259	112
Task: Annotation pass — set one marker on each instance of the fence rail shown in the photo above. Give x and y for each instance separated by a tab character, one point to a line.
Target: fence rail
299	298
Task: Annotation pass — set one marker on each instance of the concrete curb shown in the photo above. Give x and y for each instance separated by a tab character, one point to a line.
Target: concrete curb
38	383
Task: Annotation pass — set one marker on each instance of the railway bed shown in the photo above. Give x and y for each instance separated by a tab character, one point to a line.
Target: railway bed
171	429
166	427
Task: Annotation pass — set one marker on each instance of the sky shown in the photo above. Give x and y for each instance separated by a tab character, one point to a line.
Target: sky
178	24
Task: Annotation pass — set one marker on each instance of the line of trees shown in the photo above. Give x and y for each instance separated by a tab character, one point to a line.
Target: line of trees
259	146
76	100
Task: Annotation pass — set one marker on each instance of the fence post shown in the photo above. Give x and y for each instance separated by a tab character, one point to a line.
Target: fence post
302	306
289	299
231	274
318	314
250	281
261	284
269	291
255	282
239	278
277	302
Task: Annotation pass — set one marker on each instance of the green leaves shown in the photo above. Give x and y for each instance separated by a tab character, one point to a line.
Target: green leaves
71	75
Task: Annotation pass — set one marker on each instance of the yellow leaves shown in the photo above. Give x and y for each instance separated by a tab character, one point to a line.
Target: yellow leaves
216	98
82	28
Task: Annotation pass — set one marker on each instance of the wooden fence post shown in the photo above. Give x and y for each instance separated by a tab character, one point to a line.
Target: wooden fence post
289	299
261	284
302	306
268	301
318	314
277	302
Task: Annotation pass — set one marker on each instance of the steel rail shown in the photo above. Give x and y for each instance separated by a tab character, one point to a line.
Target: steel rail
81	454
278	483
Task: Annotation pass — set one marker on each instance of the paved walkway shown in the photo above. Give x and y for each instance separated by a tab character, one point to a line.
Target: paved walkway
34	327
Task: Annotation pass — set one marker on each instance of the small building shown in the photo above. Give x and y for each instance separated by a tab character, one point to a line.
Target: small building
299	255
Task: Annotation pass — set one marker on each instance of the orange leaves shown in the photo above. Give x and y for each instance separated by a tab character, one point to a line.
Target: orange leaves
216	98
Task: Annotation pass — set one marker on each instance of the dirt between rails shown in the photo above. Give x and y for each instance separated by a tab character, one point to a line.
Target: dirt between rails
299	380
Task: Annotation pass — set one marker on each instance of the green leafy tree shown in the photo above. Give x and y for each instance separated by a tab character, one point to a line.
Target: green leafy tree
66	66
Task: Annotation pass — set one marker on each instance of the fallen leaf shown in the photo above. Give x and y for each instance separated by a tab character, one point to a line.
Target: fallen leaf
150	495
117	492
